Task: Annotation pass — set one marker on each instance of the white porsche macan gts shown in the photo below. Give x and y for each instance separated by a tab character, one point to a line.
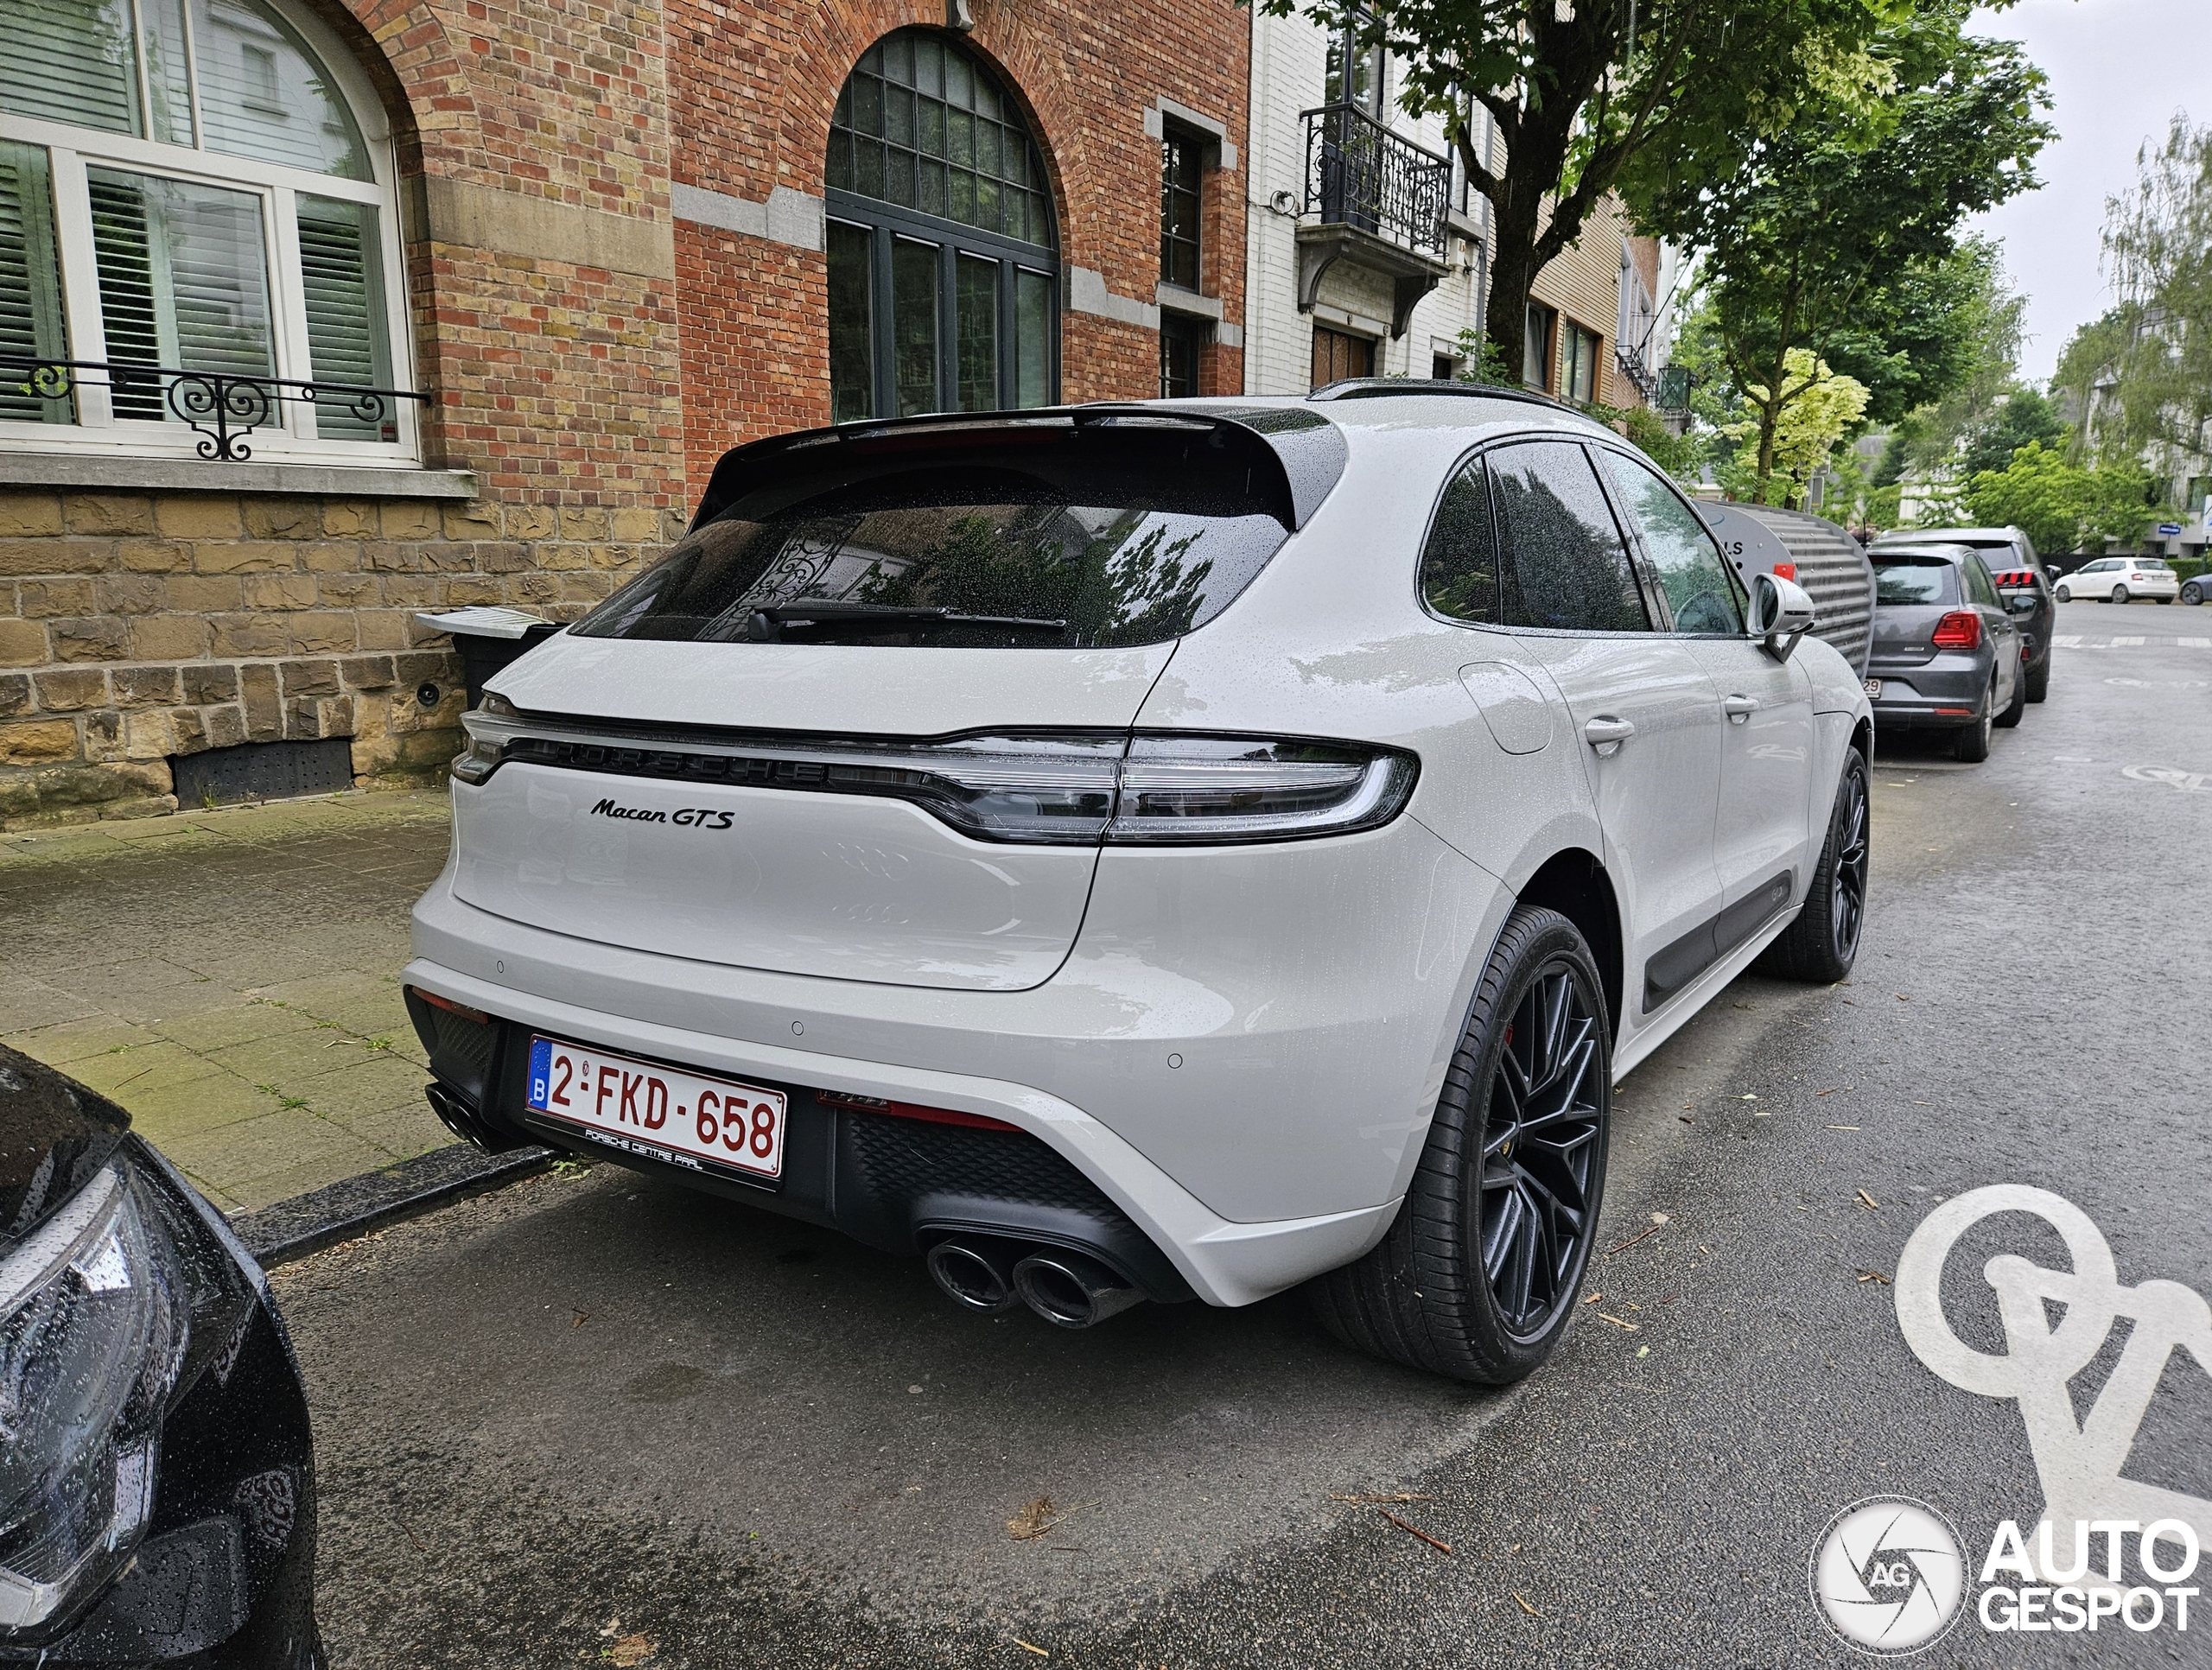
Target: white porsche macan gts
1153	851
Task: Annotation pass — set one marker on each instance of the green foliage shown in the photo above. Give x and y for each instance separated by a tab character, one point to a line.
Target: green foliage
2141	378
2062	506
1840	236
2025	418
1680	455
1584	94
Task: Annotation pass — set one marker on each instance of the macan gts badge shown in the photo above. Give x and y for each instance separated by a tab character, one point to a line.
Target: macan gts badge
1164	851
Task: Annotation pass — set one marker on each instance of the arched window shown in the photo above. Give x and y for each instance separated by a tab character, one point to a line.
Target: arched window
944	275
205	186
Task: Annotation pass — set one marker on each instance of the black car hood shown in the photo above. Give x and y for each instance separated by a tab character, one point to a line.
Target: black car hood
54	1135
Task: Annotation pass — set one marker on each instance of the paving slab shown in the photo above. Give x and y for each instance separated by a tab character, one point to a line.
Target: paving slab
231	978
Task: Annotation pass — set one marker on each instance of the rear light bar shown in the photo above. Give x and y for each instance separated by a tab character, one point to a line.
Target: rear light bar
912	1110
1959	630
1055	789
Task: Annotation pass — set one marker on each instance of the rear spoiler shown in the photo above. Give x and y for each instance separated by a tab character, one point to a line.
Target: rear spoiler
1297	455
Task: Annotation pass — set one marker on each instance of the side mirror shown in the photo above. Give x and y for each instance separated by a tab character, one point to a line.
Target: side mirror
2021	602
2051	570
1781	614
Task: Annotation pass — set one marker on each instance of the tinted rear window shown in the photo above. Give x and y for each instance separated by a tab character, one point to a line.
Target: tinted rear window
2150	562
1914	580
1070	553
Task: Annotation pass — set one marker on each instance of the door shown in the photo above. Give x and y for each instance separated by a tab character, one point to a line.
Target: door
1764	822
1646	719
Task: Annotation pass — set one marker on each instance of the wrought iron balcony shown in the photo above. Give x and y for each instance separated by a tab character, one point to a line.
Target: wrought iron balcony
1360	174
223	408
1631	361
1376	199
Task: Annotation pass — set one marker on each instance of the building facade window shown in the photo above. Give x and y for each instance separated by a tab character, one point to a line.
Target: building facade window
1182	162
1536	348
1182	340
1339	354
1579	365
1356	68
943	268
200	186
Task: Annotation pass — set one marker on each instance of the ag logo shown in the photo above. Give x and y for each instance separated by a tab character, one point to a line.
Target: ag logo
1889	1575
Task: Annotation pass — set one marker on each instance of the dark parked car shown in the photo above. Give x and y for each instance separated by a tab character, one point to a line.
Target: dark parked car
1946	652
2010	556
156	1486
2198	588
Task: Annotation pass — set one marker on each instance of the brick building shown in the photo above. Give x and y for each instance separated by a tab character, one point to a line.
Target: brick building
314	315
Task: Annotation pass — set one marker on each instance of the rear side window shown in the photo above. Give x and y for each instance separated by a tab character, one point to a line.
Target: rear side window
1077	552
1914	580
1978	583
1701	591
1458	566
1563	563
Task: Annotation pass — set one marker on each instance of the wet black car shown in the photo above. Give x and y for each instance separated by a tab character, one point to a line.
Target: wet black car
156	1483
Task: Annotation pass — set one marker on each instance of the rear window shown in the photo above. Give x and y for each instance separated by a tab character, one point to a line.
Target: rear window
2150	562
1074	551
1914	580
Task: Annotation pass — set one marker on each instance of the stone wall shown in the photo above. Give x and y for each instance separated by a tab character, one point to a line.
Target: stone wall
135	628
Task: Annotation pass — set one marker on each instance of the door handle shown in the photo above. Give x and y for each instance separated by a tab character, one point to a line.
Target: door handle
1606	732
1739	707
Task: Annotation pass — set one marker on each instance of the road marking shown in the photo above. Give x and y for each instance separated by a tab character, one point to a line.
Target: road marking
2128	643
2186	643
2066	640
2189	782
2077	1461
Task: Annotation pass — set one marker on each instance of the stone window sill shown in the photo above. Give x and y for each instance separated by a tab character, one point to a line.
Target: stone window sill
107	473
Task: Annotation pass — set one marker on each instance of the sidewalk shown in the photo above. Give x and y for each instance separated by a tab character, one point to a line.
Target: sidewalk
231	979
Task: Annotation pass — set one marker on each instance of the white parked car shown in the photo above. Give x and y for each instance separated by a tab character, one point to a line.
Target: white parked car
1153	851
2121	580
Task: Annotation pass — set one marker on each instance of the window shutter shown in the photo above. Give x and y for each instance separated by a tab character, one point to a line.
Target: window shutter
71	60
30	284
345	310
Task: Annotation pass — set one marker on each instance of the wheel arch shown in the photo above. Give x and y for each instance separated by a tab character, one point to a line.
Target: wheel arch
1573	882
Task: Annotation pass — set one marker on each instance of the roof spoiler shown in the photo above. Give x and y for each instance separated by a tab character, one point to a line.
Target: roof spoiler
1301	452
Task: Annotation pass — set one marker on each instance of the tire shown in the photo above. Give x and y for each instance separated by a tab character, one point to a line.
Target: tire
1473	1279
1970	743
1823	942
2011	716
2065	596
2119	594
2039	680
2192	593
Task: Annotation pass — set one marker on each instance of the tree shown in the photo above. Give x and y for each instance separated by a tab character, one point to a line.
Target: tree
1582	91
1824	242
2024	418
1826	407
2141	378
2061	505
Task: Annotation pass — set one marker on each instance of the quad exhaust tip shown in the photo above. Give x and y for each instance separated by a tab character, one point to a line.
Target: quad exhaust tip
1069	1290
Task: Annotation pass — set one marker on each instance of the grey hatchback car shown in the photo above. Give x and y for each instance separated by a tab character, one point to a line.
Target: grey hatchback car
1947	650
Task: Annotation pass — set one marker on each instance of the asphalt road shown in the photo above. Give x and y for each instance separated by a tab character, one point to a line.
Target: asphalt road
596	1420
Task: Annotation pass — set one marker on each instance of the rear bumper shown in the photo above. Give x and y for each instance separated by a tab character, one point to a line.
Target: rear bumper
1919	694
1241	1055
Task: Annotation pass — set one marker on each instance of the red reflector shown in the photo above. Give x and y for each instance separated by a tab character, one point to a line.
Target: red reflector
447	1003
1964	711
1959	630
912	1110
1785	571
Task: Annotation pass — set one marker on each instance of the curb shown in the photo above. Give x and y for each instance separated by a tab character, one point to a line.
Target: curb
353	1206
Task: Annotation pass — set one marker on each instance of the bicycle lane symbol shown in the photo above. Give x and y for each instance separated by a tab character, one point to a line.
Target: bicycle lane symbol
2078	1464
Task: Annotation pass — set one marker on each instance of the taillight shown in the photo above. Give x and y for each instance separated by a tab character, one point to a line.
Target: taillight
1959	630
1054	789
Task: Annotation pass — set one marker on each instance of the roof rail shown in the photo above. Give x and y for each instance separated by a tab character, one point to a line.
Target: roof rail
1376	388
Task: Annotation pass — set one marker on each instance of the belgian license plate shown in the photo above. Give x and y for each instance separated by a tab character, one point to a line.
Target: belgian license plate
1874	689
658	1111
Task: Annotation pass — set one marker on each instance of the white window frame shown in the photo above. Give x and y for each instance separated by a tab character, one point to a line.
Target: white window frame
291	436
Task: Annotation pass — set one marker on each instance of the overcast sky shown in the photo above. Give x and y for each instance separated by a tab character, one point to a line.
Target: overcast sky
2118	69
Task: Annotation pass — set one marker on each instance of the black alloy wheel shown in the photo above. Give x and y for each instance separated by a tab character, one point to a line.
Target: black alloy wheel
1477	1275
1822	944
1539	1151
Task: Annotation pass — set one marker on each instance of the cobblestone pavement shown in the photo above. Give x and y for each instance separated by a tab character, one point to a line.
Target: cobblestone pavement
231	978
